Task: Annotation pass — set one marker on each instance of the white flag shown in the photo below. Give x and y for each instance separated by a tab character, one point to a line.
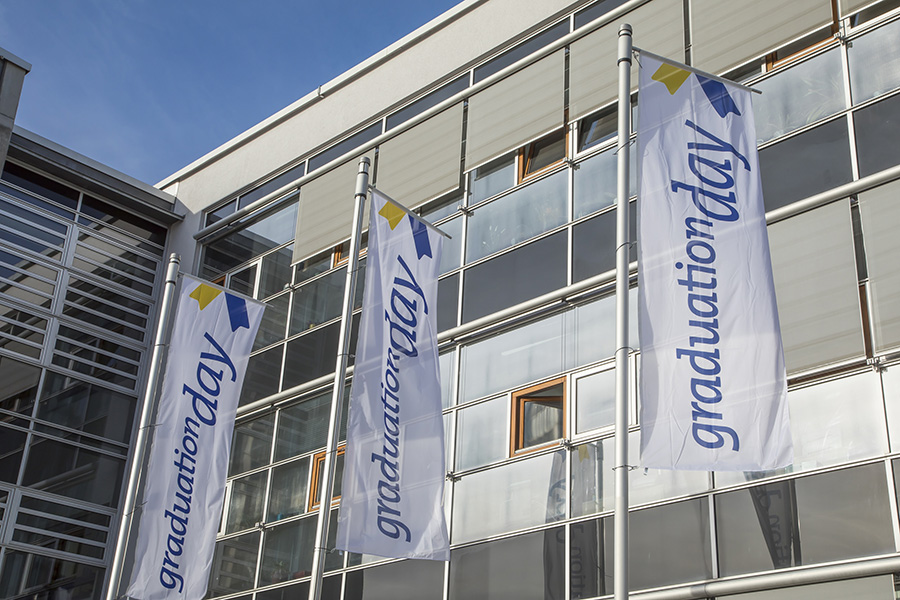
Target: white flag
713	385
212	337
393	483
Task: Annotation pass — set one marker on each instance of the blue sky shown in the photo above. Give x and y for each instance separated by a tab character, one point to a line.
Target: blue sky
148	86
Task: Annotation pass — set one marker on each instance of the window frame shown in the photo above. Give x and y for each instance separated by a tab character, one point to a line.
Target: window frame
527	153
318	459
519	399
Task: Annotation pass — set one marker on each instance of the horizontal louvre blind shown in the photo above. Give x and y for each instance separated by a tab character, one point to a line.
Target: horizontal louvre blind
516	110
816	286
593	74
726	34
422	162
326	209
879	212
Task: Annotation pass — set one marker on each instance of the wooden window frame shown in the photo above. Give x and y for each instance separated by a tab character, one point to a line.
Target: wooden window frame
519	399
314	490
526	155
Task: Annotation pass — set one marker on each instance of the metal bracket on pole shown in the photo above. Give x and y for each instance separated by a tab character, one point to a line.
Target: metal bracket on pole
337	395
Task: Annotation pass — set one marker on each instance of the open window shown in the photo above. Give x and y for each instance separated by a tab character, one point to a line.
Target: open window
319	474
543	154
539	416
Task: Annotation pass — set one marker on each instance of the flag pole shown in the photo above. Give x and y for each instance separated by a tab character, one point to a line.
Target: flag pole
154	378
337	394
620	565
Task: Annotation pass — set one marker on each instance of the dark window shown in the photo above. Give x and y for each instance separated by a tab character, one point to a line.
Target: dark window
274	319
492	178
544	153
805	521
878	135
594	243
303	427
545	38
12	446
682	554
421	580
448	302
313	355
275	273
40	185
263	372
221	212
244	281
318	301
341	148
251	444
585	16
538	415
123	219
273	184
427	101
515	277
806	164
598	128
525	567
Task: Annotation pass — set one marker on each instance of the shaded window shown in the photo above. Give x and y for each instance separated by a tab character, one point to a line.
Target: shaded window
311	267
303	427
805	521
538	414
221	212
318	471
545	38
525	567
20	382
492	178
34	575
543	153
123	219
75	472
12	447
86	406
878	135
875	62
42	186
806	164
515	277
600	127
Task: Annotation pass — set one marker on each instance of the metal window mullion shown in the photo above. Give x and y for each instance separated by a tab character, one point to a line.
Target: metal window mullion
22	340
82	307
61	536
86	233
27	273
29	237
59	554
98	350
116	269
127	309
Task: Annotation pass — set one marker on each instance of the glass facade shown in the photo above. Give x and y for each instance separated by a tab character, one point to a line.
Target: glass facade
79	277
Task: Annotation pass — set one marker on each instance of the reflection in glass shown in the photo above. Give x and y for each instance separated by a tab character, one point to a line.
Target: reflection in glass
482	434
805	521
595	182
877	129
594	243
263	373
12	447
448	377
20	383
513	496
246	503
275	272
24	572
491	179
318	301
251	444
274	320
798	96
67	470
288	495
595	401
523	214
303	427
85	406
874	62
450	253
827	429
526	567
407	580
243	282
234	565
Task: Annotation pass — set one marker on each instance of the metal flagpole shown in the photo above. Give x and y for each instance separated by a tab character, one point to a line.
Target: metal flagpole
154	379
337	394
620	568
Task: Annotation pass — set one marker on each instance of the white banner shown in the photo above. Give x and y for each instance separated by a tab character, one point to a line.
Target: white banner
713	385
393	484
212	336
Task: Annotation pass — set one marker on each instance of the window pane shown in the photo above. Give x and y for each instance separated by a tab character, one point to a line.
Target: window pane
75	472
246	503
263	373
40	185
447	362
243	281
87	407
595	329
448	302
26	575
288	495
875	62
513	496
234	565
545	152
877	134
431	99
483	434
20	383
521	215
593	483
545	38
795	97
251	444
407	580
275	272
513	358
288	550
595	401
805	521
491	179
318	301
806	164
515	277
274	320
313	355
303	427
12	447
450	253
594	243
527	567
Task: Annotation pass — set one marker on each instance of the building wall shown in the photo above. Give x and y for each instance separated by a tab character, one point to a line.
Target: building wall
81	262
537	523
